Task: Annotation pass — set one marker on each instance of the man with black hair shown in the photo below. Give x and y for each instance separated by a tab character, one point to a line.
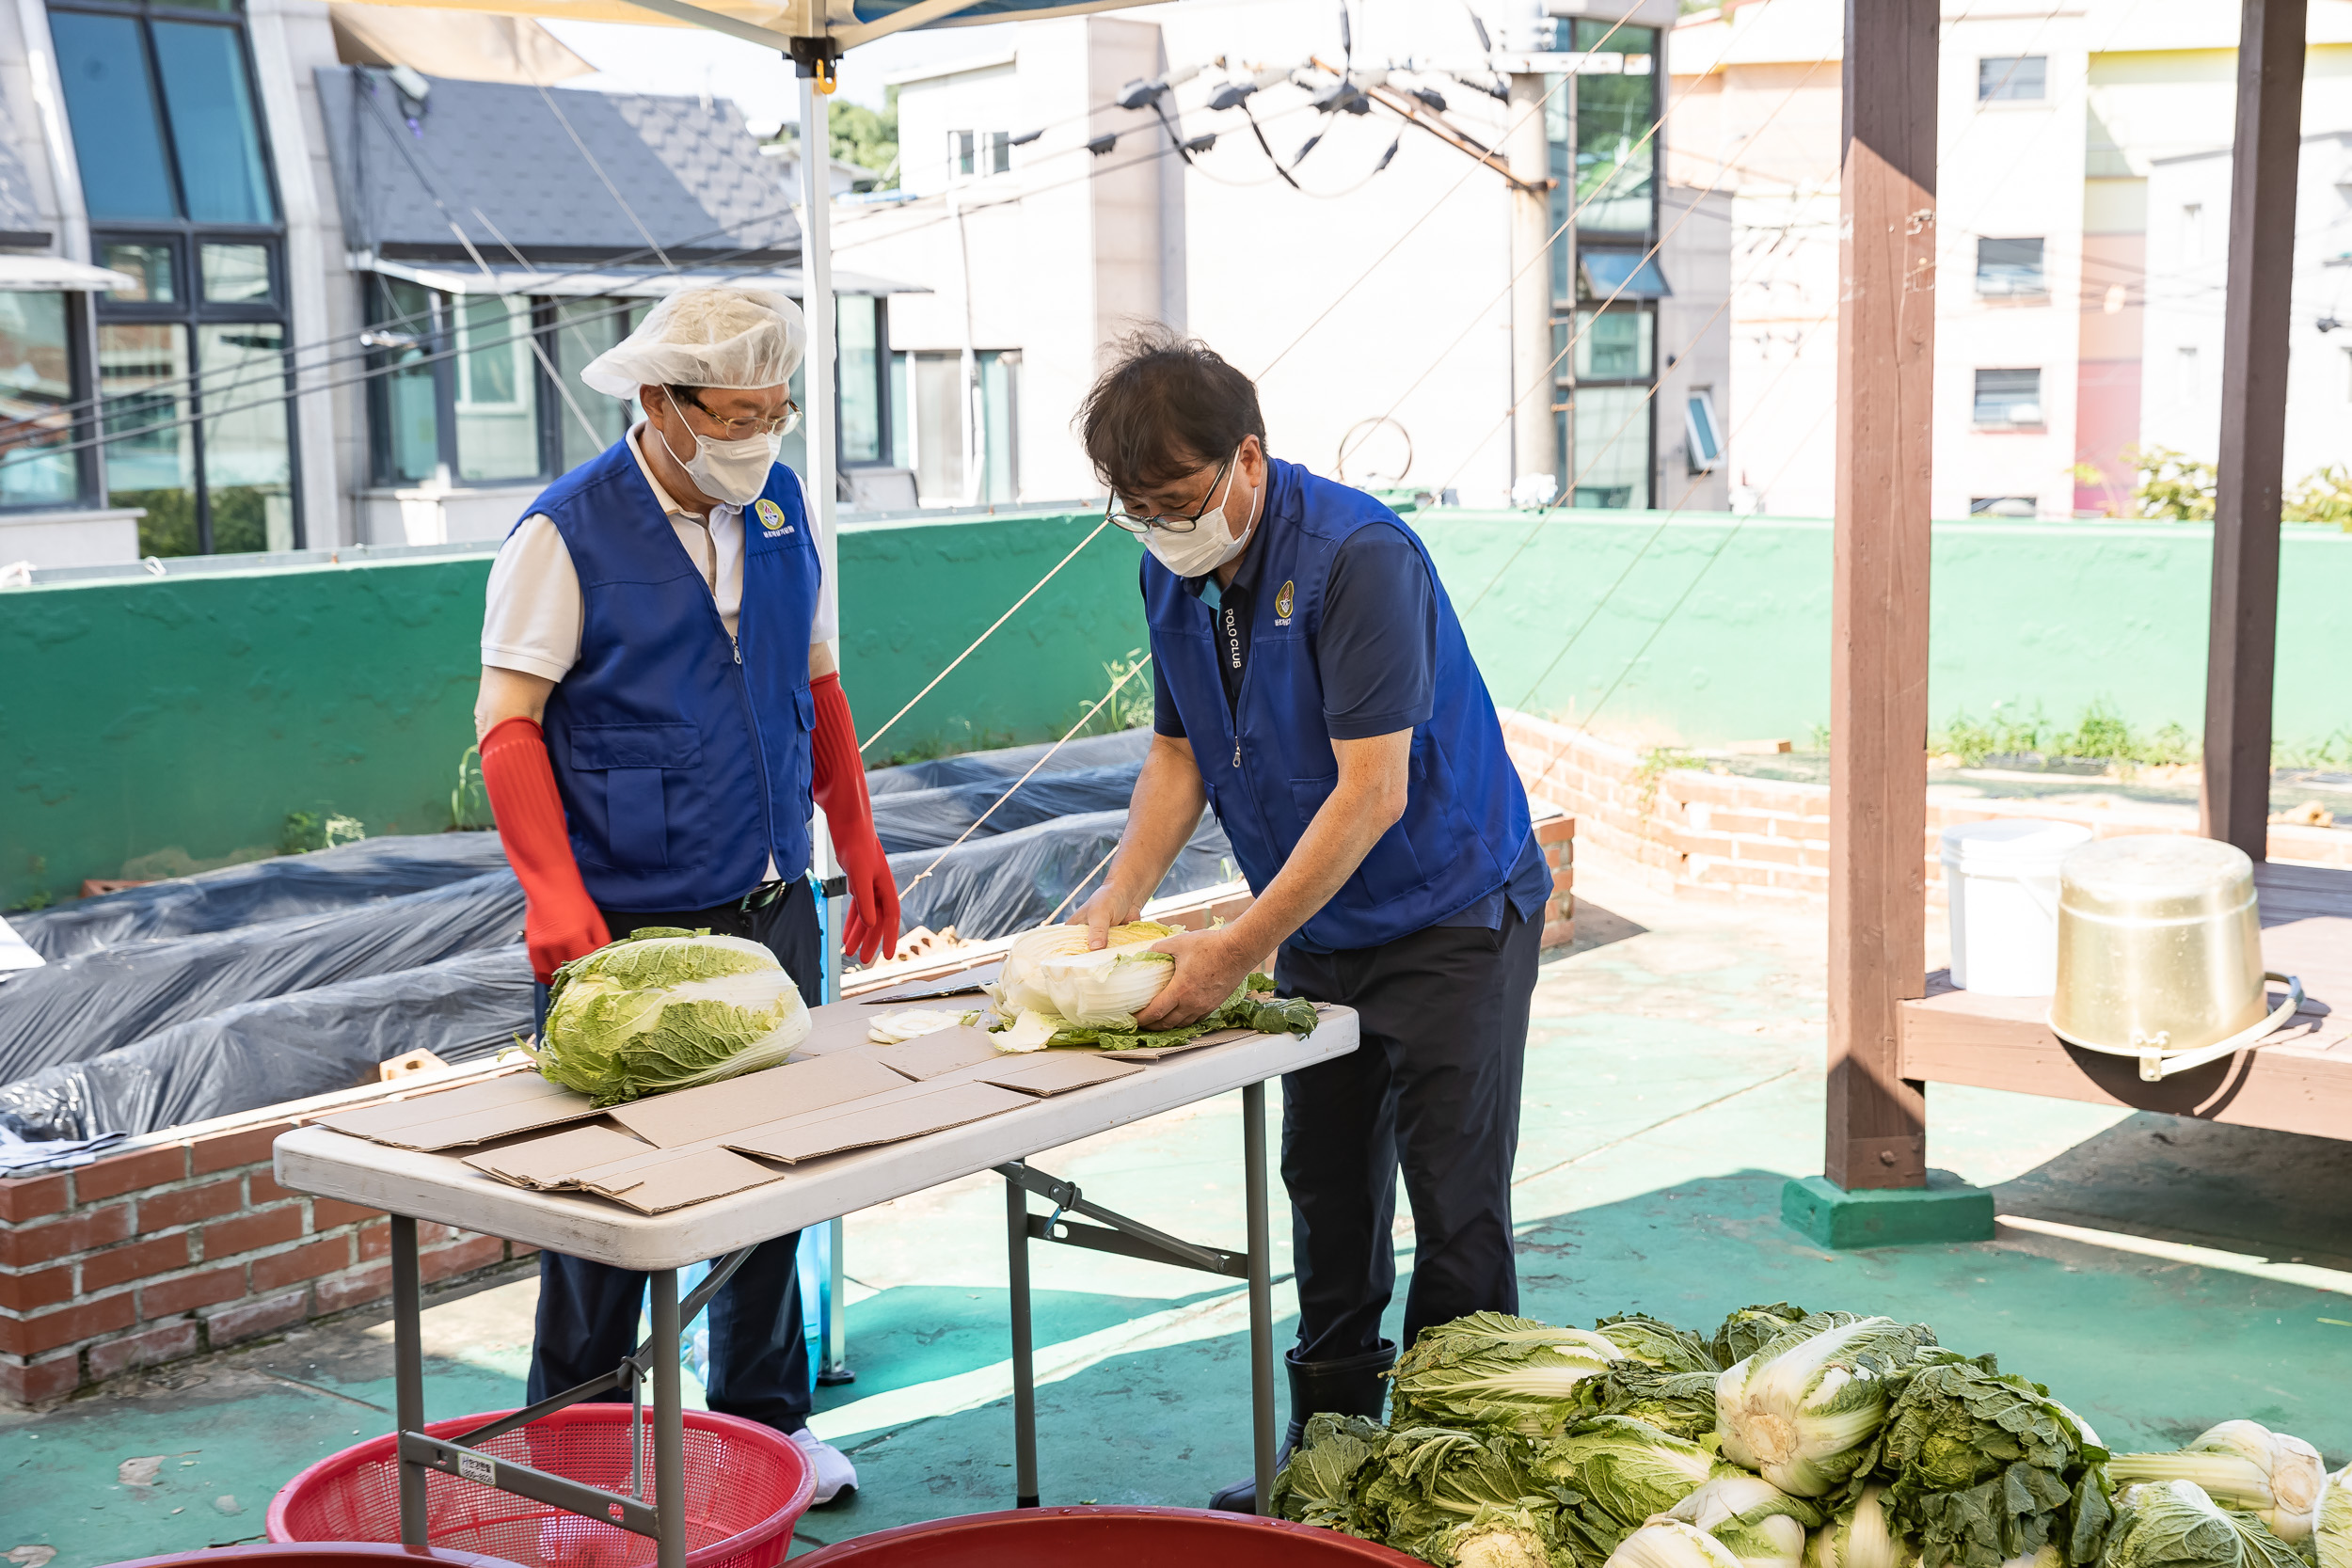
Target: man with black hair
1314	688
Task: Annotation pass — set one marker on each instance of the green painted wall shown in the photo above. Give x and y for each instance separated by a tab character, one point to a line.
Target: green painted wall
1562	610
154	725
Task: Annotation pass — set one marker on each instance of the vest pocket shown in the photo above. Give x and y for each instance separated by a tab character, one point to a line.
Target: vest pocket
633	758
1389	870
638	825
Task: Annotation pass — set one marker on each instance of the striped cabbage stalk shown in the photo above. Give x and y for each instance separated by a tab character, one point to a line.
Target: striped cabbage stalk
1671	1544
2242	1465
1494	1370
2331	1527
1756	1522
1803	1410
1016	988
1102	990
1625	1469
1865	1536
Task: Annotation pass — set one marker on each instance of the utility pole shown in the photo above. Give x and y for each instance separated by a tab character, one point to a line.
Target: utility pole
1535	442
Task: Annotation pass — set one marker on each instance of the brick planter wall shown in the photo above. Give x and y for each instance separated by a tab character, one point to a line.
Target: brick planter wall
1690	831
175	1248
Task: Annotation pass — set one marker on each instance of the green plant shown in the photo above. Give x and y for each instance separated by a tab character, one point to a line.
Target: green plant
470	802
2172	485
1131	705
2001	734
1655	764
307	831
2102	734
2323	496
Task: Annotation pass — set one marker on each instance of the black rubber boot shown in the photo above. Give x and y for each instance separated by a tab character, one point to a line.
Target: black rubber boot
1355	1387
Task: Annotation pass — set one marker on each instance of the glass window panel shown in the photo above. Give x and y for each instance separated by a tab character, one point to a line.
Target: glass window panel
231	7
151	453
583	329
793	452
118	134
1615	166
151	264
2010	267
237	273
902	417
36	383
938	407
2008	397
1614	345
999	472
213	125
249	465
861	380
2003	78
1613	447
409	408
1591	35
498	396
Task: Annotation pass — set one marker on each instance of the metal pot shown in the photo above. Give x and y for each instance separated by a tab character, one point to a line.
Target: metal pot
2159	952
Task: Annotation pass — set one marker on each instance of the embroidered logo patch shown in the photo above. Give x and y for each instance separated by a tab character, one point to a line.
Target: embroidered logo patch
771	517
1283	600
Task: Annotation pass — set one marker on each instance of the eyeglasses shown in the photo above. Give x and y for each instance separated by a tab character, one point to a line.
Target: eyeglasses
741	429
1141	524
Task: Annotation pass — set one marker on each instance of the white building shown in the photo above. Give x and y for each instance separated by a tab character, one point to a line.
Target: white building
1371	297
2082	202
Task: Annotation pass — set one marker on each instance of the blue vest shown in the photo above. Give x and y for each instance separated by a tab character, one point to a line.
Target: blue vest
682	756
1267	760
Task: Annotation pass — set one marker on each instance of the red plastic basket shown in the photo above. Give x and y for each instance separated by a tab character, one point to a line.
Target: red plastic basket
1089	1537
318	1554
745	1485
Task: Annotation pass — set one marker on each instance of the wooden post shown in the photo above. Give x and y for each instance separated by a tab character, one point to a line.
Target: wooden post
1879	615
2243	642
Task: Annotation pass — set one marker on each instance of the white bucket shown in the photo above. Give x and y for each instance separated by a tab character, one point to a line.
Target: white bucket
2002	879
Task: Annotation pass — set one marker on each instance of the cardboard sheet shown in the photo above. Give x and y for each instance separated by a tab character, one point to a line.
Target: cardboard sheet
681	1178
469	1113
700	1114
835	1027
929	1055
1045	1074
909	1113
548	1162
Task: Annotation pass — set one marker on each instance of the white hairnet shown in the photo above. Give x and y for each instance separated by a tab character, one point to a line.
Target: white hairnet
727	336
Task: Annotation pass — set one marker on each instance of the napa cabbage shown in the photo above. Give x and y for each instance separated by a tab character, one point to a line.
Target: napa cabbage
1803	1410
667	1008
1756	1521
1865	1536
1494	1370
2242	1465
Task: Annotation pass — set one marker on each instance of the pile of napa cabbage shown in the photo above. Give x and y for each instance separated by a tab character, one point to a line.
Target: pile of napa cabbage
1057	990
1785	1439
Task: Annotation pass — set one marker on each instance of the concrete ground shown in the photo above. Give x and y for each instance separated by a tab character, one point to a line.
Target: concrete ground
2158	1274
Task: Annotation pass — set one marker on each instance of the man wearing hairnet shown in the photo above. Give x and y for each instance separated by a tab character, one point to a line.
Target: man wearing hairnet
659	707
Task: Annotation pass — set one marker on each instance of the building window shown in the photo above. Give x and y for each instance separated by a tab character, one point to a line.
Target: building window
1616	156
960	152
1613	447
39	463
2010	268
193	373
927	392
2187	384
1705	438
864	401
2347	373
1000	152
2012	78
2007	400
1614	345
2001	506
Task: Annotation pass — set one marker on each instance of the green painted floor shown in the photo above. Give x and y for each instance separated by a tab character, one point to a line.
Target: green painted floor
2159	1274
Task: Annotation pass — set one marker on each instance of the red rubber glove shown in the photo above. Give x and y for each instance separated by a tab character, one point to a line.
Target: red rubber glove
561	922
840	788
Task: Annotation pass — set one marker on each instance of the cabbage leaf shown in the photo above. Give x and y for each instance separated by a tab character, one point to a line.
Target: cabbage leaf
667	1008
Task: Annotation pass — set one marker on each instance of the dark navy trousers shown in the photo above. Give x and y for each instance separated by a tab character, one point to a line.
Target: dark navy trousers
588	1312
1432	1090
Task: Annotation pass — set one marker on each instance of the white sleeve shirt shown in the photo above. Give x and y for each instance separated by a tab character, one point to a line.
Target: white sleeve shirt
531	618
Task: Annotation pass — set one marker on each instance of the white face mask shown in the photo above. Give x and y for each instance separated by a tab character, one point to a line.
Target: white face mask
1210	545
731	471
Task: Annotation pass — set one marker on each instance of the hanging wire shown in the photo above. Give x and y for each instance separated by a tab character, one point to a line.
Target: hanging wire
1084	721
1079	887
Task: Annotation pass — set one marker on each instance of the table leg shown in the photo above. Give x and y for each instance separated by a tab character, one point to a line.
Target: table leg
1260	1288
408	1372
669	1425
1024	1372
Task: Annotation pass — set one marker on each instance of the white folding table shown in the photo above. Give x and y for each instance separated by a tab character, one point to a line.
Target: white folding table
413	1186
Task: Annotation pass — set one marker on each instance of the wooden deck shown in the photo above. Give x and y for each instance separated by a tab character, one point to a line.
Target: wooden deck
2300	1084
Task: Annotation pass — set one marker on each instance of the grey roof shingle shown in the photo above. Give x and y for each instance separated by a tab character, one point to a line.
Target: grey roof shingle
503	163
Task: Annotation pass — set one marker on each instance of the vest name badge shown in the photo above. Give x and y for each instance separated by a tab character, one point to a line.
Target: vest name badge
1282	602
770	518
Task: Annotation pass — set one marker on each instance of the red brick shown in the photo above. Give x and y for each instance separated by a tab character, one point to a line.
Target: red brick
477	1252
29	1197
165	1298
24	1292
368	1282
231	1150
40	1382
22	1246
139	1260
328	1212
246	1319
1775	851
128	1173
227	1238
148	1347
303	1262
188	1205
375	1239
31	1336
262	1187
